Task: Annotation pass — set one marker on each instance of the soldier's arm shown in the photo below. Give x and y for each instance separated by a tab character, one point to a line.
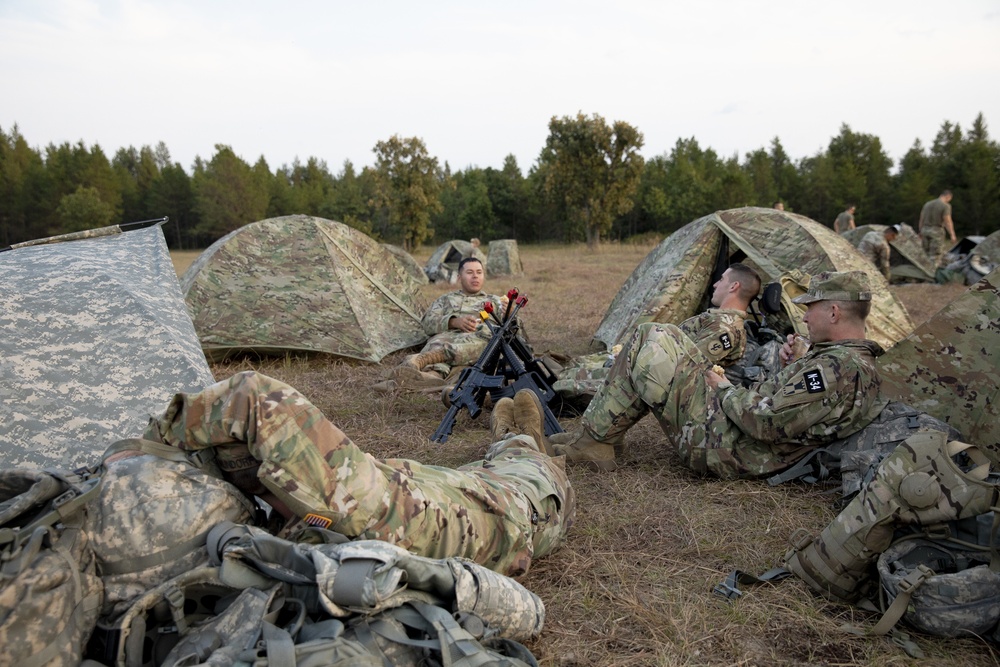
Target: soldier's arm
801	396
435	320
718	340
949	226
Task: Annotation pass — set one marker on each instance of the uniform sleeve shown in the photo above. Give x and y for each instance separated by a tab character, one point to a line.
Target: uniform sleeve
435	320
801	396
716	338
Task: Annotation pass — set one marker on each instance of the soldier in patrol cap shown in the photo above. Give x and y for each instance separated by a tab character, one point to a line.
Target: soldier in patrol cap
736	432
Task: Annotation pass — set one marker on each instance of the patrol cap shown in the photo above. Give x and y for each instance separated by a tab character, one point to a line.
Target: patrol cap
837	286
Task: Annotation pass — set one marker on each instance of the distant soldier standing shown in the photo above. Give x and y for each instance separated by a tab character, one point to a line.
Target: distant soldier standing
721	429
844	221
875	246
935	220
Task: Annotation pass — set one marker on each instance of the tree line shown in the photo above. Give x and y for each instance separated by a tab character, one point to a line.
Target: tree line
588	183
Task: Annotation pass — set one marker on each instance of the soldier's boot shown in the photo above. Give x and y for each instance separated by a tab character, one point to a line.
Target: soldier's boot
502	419
529	416
424	359
918	484
601	435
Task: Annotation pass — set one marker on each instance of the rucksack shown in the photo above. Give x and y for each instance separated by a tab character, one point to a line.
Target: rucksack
268	601
50	593
854	459
152	515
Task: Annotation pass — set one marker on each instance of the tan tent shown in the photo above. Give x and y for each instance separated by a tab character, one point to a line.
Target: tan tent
412	266
443	263
948	367
299	283
673	282
504	259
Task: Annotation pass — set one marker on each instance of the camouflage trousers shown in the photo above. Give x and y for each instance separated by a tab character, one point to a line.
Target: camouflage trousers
463	348
933	241
660	371
501	512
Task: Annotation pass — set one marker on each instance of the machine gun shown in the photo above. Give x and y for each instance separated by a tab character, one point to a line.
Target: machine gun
504	367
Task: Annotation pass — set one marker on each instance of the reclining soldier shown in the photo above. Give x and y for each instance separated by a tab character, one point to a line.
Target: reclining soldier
458	334
719	333
736	432
270	441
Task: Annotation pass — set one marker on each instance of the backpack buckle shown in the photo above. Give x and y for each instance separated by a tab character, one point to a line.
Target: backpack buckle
800	539
912	581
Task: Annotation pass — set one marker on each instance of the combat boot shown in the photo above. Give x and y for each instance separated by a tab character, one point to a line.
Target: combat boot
424	359
502	419
529	418
918	484
583	448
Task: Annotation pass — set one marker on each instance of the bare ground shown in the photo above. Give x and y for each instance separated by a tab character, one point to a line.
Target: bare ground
633	584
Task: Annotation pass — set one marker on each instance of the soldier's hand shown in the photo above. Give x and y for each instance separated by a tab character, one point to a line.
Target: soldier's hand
466	323
785	354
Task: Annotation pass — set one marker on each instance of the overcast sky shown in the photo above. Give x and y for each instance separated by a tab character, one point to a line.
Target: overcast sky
478	81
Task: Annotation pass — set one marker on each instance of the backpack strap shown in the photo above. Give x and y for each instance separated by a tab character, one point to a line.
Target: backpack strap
810	469
728	587
907	585
199	458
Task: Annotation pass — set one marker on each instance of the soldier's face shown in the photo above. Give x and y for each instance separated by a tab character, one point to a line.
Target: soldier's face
818	320
722	287
472	277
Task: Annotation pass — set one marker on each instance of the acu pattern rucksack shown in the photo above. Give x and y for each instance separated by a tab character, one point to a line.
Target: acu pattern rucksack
50	594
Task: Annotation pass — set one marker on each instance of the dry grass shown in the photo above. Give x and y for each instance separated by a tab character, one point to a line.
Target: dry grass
633	584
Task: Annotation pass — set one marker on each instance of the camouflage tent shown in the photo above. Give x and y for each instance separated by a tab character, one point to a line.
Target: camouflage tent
504	259
948	366
443	264
94	337
299	283
907	259
673	282
985	257
413	268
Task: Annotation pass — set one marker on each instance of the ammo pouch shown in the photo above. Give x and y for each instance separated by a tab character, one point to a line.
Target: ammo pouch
920	485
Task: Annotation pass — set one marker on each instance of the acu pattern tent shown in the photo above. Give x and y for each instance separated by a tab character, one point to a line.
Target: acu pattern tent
673	281
907	259
443	263
300	283
948	367
94	337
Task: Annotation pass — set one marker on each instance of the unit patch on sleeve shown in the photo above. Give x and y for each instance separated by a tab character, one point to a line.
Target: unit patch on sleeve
727	344
814	381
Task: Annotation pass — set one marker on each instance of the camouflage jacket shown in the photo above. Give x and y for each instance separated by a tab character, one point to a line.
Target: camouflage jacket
828	394
455	303
719	333
874	246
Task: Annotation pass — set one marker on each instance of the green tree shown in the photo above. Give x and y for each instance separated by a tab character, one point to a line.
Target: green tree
83	209
228	193
348	201
136	171
861	175
408	183
509	195
24	188
172	195
977	190
913	184
591	171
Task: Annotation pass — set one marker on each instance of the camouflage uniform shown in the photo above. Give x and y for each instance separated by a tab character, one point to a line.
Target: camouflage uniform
932	230
718	332
830	393
501	512
874	246
462	348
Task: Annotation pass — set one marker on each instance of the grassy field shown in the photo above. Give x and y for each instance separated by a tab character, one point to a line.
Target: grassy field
633	584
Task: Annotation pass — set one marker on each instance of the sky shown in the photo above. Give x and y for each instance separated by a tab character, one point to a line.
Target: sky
477	81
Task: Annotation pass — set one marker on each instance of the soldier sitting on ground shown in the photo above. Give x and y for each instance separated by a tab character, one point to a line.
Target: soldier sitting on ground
270	441
729	431
719	333
458	334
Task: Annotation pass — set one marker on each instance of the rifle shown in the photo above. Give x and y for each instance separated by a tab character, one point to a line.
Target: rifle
501	370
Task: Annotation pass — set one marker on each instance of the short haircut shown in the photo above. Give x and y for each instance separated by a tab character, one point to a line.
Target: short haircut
856	309
466	260
851	205
946	193
748	279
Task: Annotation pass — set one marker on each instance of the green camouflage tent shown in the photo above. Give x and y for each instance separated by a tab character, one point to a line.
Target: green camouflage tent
299	283
986	256
948	366
443	263
412	266
907	259
673	281
94	337
504	259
